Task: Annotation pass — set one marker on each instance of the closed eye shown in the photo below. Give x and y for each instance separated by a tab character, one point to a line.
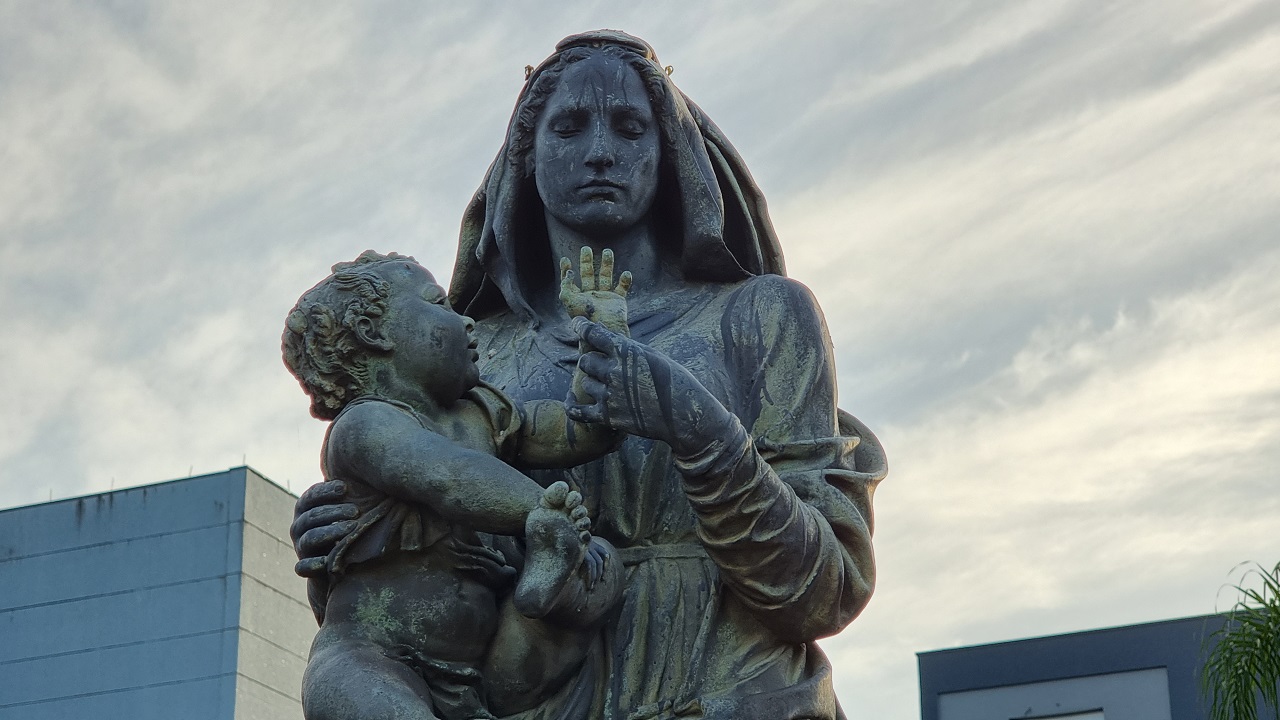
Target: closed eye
570	121
629	122
565	130
631	129
566	124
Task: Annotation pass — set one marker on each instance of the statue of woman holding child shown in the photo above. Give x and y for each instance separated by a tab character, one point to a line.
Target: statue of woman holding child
737	503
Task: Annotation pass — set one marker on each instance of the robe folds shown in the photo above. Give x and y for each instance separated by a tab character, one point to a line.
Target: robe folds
734	565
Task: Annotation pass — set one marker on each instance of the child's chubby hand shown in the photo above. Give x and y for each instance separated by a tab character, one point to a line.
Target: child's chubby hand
599	299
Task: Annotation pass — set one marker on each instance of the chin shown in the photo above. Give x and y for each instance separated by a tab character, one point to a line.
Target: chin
597	220
608	210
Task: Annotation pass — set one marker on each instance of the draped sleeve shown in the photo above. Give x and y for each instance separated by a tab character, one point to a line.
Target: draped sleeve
505	420
784	506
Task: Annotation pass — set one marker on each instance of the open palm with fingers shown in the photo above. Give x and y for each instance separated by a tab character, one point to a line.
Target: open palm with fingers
599	299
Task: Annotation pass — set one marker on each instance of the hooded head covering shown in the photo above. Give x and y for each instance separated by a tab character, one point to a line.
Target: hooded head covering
708	196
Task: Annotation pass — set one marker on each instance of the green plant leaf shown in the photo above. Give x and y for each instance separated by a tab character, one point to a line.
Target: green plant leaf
1243	661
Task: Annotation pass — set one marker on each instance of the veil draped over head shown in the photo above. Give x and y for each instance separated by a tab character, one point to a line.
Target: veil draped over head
724	227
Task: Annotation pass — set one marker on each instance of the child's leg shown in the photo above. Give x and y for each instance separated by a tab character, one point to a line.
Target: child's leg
530	660
349	678
555	544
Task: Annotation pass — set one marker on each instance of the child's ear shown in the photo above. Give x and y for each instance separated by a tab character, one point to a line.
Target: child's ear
369	335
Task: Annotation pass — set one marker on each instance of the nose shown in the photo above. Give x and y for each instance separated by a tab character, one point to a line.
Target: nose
600	154
468	323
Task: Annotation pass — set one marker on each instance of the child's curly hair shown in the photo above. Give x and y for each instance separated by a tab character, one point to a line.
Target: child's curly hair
319	343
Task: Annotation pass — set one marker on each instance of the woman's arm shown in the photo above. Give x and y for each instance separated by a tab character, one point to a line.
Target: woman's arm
786	515
791	563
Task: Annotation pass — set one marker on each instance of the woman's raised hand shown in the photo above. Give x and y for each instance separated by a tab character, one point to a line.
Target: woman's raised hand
638	390
321	518
598	300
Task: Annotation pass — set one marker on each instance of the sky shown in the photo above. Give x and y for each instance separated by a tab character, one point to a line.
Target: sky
1046	237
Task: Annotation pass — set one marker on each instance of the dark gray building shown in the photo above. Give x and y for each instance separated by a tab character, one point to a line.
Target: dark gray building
175	600
1136	672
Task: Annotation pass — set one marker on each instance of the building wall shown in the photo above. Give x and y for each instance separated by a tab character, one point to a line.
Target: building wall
163	601
1143	672
276	624
1133	695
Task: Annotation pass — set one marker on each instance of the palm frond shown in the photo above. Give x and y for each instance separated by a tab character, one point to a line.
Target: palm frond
1244	662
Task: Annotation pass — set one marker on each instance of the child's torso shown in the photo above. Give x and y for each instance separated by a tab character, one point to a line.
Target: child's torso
419	601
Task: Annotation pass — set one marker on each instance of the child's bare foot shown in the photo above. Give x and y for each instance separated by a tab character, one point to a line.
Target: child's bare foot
591	593
556	535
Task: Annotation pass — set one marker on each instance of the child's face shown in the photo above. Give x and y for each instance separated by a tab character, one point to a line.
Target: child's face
433	346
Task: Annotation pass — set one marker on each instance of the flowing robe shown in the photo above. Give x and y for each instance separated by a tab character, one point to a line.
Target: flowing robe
734	567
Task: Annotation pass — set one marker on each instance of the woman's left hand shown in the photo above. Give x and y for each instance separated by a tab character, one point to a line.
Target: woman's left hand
321	517
640	391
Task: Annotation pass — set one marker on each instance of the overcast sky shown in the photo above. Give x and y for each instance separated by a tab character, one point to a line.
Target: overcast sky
1046	236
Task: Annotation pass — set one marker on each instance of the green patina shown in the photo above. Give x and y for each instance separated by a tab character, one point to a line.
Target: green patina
373	612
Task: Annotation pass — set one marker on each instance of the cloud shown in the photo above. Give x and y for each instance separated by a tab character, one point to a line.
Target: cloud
934	271
1106	475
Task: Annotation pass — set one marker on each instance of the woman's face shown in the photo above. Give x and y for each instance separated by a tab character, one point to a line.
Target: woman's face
596	148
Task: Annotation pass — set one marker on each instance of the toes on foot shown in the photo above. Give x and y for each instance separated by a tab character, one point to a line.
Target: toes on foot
556	494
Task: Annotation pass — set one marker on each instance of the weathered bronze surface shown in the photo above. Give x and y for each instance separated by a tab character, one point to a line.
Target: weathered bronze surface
694	422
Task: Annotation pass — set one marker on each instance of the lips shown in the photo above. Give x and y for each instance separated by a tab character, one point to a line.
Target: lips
600	183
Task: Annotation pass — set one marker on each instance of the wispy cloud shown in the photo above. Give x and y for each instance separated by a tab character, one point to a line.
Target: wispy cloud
1106	475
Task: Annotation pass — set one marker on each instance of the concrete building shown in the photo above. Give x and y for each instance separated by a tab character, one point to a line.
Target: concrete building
175	600
1137	672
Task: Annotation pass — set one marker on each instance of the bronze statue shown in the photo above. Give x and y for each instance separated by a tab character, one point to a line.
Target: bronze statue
421	442
739	501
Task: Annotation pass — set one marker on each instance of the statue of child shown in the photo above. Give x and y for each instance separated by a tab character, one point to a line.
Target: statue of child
418	613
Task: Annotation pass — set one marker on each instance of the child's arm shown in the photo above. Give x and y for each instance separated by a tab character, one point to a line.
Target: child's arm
388	450
550	438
